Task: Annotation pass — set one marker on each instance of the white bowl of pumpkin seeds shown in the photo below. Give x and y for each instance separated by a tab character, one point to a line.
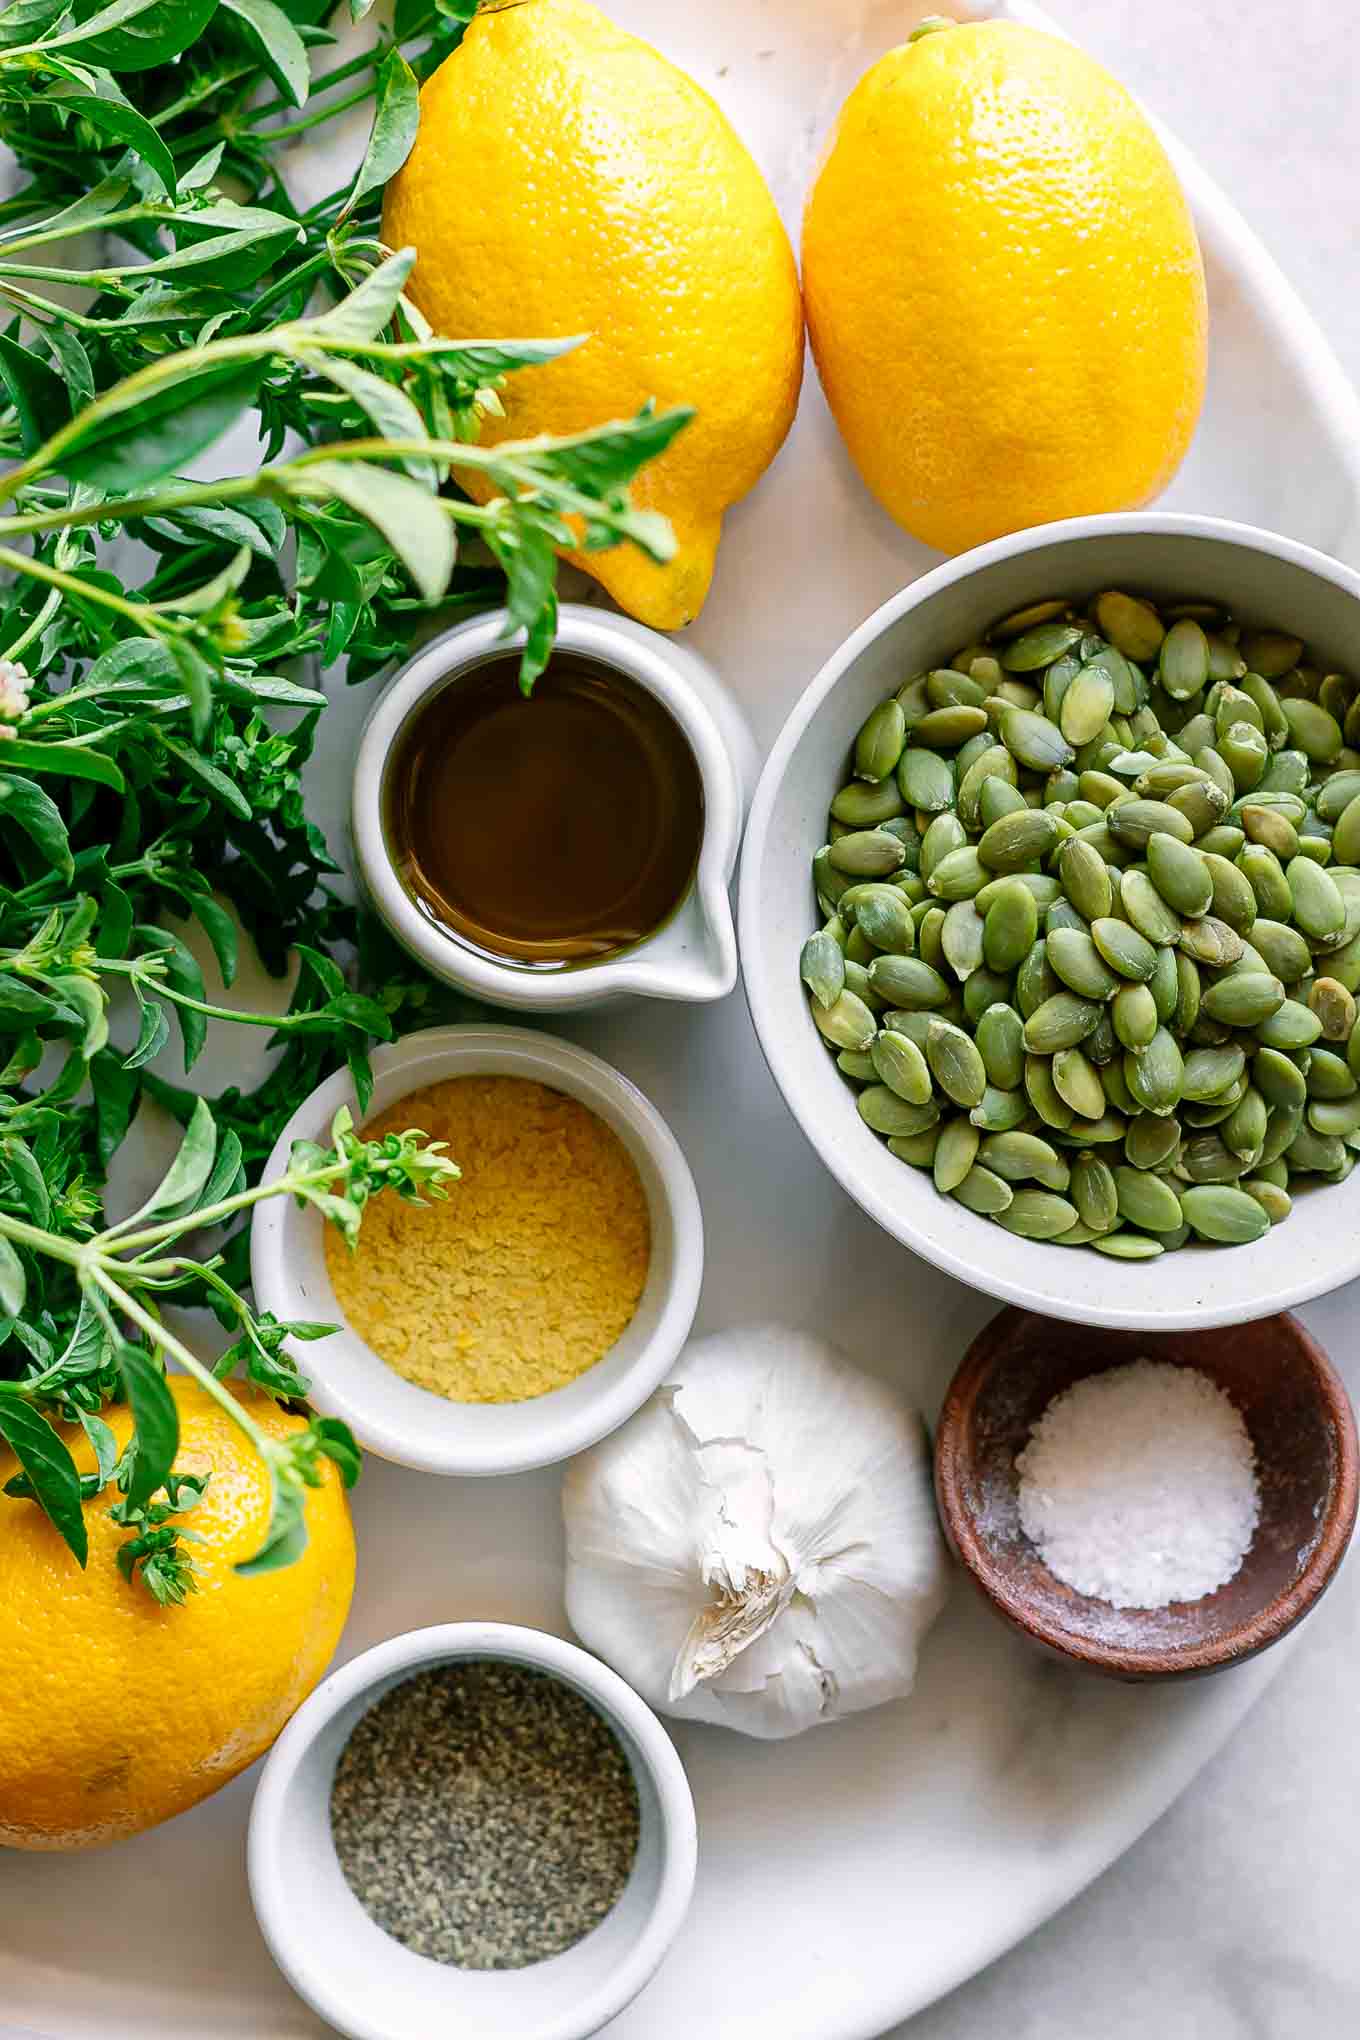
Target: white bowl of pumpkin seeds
1050	919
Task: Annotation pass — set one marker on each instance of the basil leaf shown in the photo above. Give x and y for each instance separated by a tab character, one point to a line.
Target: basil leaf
278	44
13	1281
127	449
124	124
136	35
367	309
395	120
50	1469
418	530
26	807
116	1090
66	760
220	929
154	1033
29	1183
104	1443
179	1187
226	1175
37	393
156	1422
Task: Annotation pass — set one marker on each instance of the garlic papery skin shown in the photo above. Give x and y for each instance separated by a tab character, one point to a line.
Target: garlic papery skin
758	1546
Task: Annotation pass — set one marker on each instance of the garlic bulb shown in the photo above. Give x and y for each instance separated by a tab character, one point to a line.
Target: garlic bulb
758	1545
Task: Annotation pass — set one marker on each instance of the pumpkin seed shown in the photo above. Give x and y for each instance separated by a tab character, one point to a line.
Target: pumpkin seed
886	1113
868	853
1018	839
1062	1021
1133	822
860	806
997	795
916	1148
1244	1001
822	968
1211	941
1274	1201
1292	1026
959	875
1038	1215
1152	1140
955	1153
1244	1130
1278	1079
1155	1074
1075	959
1093	1192
846	1024
1134	1016
955	1063
899	1063
1010	928
1126	1246
883	915
1001	1044
906	981
1328	1075
1318	906
1334	1007
1271	653
961	939
1053	1110
945	729
1282	948
1001	1111
1183	659
1147	911
1127	952
925	780
1207	1158
1180	874
1316	1153
983	1192
1221	1212
1039	646
1034	741
1231	897
1209	1072
1025	1157
857	1066
1338	1117
1269	827
1146	1200
1077	1082
1312	730
1132	626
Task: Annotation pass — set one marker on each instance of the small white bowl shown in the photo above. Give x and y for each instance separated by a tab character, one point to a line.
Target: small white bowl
693	956
391	1416
366	1984
1263	579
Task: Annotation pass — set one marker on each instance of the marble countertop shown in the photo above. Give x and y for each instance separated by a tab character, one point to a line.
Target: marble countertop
1234	1917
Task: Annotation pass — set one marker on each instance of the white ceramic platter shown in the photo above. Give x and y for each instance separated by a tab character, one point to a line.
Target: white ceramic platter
849	1877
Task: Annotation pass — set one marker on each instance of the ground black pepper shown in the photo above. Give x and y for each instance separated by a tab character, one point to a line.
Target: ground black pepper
485	1815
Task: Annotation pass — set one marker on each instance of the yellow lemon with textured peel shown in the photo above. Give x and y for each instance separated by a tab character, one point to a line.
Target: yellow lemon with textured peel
1003	287
116	1712
567	179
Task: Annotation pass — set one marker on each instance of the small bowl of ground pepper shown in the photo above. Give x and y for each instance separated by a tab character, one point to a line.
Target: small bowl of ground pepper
474	1828
526	1314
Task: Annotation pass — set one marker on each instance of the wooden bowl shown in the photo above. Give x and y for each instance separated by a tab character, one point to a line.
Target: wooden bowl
1300	1422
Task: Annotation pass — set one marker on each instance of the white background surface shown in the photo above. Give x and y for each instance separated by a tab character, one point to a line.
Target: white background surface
1234	1918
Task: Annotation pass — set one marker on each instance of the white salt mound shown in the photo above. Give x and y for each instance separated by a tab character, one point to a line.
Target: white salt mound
1138	1486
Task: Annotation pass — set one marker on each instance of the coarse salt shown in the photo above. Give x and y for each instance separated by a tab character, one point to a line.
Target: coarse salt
1138	1486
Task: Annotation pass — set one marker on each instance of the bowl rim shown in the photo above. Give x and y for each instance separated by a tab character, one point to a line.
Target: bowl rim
1233	1646
781	1061
414	1650
435	1447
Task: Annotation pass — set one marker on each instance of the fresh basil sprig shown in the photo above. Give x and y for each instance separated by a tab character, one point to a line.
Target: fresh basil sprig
156	714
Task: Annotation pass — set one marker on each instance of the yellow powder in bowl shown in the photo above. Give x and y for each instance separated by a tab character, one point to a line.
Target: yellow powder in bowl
529	1271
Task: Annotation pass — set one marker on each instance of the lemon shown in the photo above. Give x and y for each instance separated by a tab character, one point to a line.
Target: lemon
567	179
1004	292
116	1712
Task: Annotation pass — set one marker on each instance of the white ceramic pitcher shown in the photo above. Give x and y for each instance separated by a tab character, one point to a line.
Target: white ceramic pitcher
694	955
